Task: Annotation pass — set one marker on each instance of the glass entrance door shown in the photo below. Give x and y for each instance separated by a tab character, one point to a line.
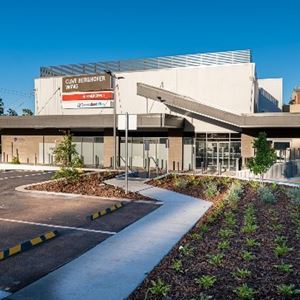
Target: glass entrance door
212	155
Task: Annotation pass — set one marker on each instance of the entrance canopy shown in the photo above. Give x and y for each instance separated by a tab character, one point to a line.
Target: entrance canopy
192	107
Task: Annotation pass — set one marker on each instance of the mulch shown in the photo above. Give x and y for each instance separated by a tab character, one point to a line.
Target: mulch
265	277
89	184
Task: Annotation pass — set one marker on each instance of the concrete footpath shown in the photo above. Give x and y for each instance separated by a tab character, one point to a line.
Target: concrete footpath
114	268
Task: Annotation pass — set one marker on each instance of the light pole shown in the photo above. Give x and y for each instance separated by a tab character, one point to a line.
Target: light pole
114	78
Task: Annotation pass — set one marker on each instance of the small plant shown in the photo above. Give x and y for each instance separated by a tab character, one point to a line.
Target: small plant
223	245
206	281
280	240
287	290
247	255
159	288
252	243
282	250
186	250
277	227
203	228
266	195
180	182
294	195
241	273
196	236
15	160
203	296
249	228
245	292
226	233
286	268
177	265
230	218
211	189
216	259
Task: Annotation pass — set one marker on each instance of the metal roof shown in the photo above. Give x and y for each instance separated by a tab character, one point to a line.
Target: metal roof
162	62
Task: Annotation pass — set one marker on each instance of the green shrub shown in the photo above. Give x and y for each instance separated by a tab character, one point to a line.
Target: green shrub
294	195
251	242
282	250
71	174
215	259
245	292
159	288
241	273
180	182
211	189
186	250
249	228
287	290
177	265
286	268
15	160
247	255
206	281
226	233
266	195
223	245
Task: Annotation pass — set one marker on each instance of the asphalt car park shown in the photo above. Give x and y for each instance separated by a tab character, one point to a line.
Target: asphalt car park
24	216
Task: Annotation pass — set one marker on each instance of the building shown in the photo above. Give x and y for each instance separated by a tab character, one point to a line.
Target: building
197	111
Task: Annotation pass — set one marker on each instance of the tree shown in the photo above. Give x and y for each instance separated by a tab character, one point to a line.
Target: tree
264	158
66	155
11	112
1	107
27	112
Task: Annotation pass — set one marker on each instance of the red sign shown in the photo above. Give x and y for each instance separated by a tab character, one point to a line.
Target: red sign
88	96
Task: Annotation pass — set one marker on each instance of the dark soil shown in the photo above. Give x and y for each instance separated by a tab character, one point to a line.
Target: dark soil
264	278
88	184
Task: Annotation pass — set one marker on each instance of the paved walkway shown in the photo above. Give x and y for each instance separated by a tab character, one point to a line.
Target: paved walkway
114	268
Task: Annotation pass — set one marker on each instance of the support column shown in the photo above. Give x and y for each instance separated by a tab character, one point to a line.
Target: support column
247	150
108	148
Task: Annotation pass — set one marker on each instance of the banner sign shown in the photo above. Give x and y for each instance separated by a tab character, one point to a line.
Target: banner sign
88	96
87	91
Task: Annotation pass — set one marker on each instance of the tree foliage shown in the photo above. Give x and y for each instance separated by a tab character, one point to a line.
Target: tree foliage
264	157
27	112
68	158
11	112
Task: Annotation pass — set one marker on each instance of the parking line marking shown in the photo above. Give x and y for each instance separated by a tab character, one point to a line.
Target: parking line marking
58	226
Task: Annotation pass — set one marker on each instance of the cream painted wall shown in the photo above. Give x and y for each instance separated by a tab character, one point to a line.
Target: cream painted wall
228	87
273	86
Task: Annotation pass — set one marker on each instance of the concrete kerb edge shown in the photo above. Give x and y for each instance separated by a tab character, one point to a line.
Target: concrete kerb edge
24	189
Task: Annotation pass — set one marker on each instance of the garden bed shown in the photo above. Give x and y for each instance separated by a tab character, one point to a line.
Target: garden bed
246	247
88	184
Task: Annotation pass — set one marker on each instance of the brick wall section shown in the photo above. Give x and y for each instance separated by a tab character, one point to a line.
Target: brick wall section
108	148
175	152
26	147
246	147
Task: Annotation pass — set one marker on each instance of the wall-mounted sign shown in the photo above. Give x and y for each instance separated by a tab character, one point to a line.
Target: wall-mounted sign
87	83
87	91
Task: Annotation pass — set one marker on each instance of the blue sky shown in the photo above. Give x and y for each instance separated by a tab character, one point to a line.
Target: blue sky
40	33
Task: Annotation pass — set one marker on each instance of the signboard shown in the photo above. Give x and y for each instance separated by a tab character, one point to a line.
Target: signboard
132	122
87	83
87	91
